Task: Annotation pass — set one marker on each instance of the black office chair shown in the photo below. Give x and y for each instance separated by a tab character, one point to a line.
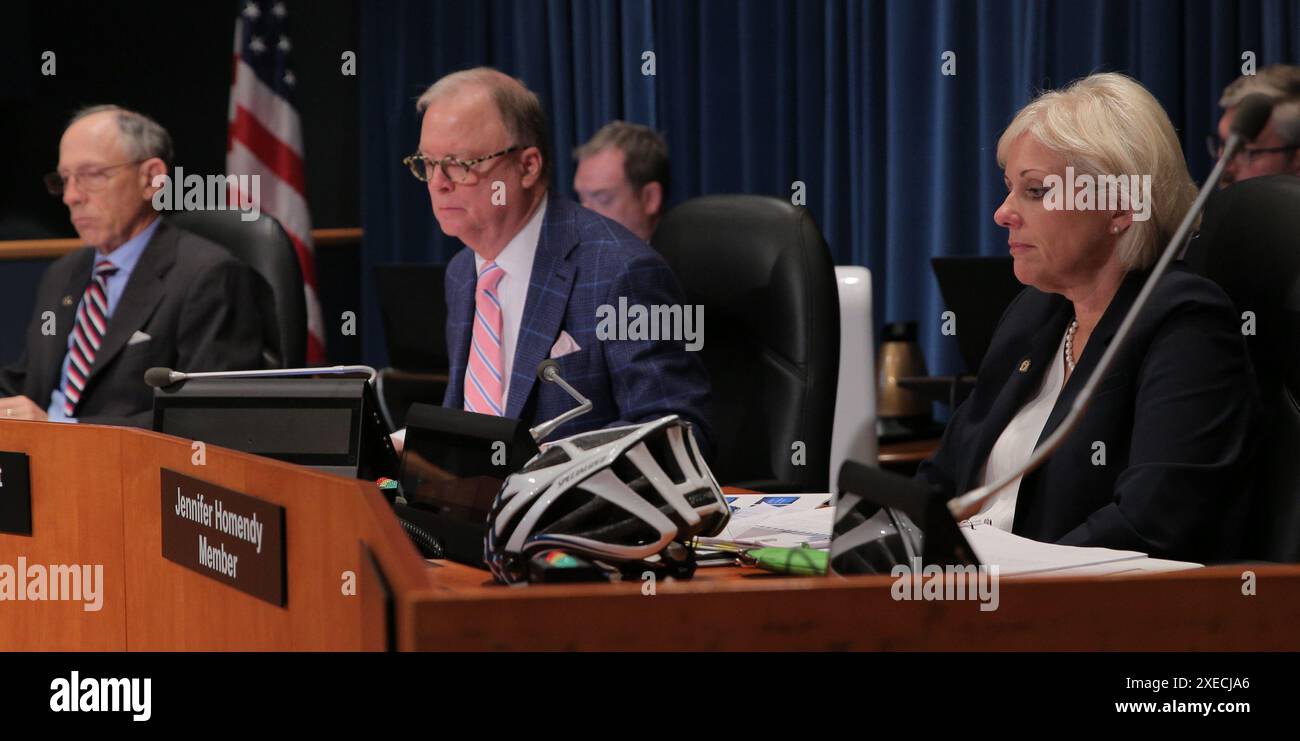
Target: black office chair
1249	244
765	277
264	245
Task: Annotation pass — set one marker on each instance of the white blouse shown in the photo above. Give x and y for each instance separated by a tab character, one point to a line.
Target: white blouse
1016	444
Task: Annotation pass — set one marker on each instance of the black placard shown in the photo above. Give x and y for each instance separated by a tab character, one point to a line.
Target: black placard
15	494
224	535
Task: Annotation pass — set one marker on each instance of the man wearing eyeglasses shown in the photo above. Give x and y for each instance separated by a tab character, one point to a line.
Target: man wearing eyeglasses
141	294
1276	151
536	271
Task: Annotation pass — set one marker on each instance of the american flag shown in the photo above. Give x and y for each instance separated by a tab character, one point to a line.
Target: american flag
265	139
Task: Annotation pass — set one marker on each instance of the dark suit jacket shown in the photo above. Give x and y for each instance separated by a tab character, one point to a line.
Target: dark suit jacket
584	260
1175	414
194	299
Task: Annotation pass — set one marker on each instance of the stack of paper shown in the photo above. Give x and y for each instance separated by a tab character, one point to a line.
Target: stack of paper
1015	555
780	520
791	520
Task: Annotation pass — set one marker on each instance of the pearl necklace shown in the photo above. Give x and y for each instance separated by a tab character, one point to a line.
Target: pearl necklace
1069	344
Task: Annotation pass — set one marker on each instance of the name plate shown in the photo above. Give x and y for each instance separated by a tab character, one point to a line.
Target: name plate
224	535
15	494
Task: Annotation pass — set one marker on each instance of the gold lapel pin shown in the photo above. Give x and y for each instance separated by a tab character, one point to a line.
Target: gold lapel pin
67	301
1024	366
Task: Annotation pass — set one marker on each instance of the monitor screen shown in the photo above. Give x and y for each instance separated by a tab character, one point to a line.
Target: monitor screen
318	422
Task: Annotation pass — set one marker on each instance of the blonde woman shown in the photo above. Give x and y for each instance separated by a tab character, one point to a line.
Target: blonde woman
1096	184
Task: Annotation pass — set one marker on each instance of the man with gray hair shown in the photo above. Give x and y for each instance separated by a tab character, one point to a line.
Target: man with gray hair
1276	151
538	271
142	293
623	173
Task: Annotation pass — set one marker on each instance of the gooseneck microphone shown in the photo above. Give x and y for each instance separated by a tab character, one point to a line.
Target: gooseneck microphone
549	371
163	377
1252	115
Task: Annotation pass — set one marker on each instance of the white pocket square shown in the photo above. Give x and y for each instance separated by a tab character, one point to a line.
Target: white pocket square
564	346
137	338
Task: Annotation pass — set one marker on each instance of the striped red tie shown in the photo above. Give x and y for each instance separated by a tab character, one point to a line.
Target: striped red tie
87	334
483	379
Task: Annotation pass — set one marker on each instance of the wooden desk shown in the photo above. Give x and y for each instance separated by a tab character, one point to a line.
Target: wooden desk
745	609
904	458
911	452
96	500
49	249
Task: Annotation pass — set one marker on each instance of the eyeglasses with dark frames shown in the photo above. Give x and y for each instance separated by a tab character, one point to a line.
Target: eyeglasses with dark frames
1214	145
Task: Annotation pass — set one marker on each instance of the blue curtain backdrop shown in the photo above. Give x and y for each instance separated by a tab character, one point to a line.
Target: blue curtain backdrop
846	96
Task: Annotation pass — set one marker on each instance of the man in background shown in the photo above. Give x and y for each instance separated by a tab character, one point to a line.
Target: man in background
623	174
1276	151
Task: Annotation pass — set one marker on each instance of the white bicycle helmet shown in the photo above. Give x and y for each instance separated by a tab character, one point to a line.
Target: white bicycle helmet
621	496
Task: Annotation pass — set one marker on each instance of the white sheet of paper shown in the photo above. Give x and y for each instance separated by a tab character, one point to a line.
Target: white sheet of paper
1016	555
786	525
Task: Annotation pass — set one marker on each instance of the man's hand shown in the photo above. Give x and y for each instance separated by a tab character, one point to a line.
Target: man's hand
20	407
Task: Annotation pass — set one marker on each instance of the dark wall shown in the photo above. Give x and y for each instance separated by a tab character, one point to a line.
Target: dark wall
18	279
172	61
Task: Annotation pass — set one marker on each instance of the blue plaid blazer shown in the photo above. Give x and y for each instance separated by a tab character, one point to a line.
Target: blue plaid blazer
583	261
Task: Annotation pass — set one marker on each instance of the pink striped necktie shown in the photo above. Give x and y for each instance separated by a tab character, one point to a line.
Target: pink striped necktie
87	334
483	374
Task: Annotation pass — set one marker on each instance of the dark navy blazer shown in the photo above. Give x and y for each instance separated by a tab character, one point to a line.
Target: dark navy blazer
584	261
1174	414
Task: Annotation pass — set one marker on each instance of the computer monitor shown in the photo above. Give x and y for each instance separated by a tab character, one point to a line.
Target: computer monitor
413	308
329	424
453	465
978	290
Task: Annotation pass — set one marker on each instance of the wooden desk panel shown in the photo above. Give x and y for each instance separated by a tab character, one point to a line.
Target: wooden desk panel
742	609
96	498
77	521
326	519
